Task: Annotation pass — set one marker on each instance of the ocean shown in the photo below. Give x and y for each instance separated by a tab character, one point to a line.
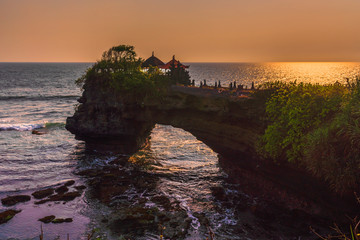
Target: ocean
43	95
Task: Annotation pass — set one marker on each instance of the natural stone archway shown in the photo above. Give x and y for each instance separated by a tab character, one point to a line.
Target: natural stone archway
228	126
231	127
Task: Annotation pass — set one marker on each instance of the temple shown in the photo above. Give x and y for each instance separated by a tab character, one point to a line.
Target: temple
153	61
156	62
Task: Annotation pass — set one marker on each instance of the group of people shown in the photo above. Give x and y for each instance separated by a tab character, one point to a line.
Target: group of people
232	85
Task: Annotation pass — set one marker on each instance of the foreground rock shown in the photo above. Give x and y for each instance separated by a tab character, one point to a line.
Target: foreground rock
47	219
39	131
12	200
135	221
43	193
69	196
62	189
79	188
7	215
69	183
62	220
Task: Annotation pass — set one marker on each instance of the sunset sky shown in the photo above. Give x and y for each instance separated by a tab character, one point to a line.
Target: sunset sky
194	30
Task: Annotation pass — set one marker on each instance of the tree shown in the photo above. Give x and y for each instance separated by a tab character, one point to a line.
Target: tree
178	74
120	70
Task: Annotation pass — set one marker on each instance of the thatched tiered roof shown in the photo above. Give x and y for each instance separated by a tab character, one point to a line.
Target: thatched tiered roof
174	63
152	61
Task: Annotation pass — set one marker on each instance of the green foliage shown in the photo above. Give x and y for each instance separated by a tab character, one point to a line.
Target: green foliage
295	109
179	75
120	70
318	127
333	150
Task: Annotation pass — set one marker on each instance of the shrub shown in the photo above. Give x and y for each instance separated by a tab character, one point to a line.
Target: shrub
295	109
317	127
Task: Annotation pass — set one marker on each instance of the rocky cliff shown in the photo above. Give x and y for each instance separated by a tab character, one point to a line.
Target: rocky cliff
227	125
231	126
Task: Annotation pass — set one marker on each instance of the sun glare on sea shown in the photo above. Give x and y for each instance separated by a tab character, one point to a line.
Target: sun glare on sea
315	72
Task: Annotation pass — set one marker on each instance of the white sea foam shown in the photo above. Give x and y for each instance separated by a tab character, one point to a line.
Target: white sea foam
20	127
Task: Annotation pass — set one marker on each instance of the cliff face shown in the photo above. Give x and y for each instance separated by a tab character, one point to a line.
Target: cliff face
231	127
104	116
228	126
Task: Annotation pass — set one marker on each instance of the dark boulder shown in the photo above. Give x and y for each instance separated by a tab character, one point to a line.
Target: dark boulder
12	200
61	197
218	192
7	215
62	189
69	183
62	220
47	219
81	187
43	193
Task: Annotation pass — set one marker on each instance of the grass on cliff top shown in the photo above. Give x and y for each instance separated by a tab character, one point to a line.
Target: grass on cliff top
316	127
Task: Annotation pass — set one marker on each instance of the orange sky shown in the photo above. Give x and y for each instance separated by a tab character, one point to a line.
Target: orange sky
194	30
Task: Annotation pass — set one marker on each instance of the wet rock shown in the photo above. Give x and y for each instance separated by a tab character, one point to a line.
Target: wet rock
89	173
12	200
61	197
105	190
38	132
104	220
134	221
81	187
47	219
62	220
82	99
204	221
7	215
62	189
178	226
66	197
163	201
218	192
43	193
69	183
41	201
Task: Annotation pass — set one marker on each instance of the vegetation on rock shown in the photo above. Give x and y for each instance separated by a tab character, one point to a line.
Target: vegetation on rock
317	127
120	69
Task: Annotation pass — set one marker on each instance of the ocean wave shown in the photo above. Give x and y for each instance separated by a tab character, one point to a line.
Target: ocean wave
37	98
20	127
30	127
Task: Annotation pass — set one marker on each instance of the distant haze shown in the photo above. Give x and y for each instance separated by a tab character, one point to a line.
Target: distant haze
193	30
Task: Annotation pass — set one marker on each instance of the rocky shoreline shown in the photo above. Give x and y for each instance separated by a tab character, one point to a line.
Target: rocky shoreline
60	194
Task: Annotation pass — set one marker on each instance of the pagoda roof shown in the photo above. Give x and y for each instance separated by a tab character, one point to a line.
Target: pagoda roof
153	61
174	62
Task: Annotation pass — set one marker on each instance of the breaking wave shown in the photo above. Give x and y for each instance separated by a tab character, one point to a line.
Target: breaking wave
29	127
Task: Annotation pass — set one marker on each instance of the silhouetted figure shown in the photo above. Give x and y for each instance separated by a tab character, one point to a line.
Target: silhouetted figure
205	82
240	87
201	84
215	84
219	84
231	86
252	86
193	82
234	85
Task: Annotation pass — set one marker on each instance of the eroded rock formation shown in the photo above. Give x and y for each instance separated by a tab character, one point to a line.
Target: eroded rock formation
230	126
